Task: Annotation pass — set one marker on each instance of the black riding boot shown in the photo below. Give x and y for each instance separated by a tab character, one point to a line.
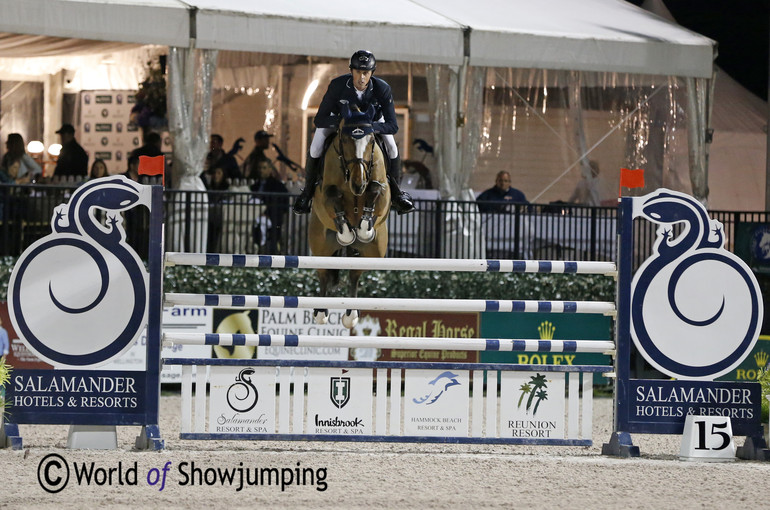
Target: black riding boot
305	198
399	200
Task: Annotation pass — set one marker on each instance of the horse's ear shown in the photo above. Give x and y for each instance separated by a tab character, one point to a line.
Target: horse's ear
370	112
345	110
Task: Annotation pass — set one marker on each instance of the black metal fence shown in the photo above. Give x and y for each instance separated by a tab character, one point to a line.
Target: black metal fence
246	222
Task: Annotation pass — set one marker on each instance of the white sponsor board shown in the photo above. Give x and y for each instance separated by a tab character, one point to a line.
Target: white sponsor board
242	400
339	401
189	319
436	403
300	321
532	405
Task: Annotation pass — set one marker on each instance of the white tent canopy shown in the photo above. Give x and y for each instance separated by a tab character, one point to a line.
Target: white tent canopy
590	35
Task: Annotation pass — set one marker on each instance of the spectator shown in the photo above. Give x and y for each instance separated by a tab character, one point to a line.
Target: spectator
587	189
73	159
17	166
218	183
218	157
137	219
4	343
257	155
493	199
267	189
98	169
152	146
132	172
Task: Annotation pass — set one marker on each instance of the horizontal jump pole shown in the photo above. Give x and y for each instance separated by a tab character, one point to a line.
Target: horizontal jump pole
386	342
390	264
393	304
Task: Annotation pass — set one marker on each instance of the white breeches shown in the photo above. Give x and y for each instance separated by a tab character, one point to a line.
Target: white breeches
317	145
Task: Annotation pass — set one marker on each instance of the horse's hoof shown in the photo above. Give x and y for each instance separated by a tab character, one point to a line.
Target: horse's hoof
366	236
350	319
321	316
346	237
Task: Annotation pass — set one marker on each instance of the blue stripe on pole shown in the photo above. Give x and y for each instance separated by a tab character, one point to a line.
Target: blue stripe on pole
239	260
518	306
239	339
291	341
239	300
492	306
263	301
544	266
265	261
212	339
519	266
210	300
519	345
291	261
291	301
264	340
570	267
493	345
570	346
544	306
544	345
212	259
493	265
570	307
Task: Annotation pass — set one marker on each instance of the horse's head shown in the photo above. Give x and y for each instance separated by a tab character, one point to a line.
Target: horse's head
357	147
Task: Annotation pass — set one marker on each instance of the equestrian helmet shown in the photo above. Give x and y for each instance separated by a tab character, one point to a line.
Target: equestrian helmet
363	61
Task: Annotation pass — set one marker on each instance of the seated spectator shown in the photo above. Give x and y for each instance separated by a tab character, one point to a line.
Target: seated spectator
218	156
152	146
498	198
275	208
98	169
17	166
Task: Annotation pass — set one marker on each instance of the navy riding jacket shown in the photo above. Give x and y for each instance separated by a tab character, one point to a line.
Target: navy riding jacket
377	94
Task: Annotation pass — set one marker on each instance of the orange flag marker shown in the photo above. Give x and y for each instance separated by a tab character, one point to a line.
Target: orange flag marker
152	165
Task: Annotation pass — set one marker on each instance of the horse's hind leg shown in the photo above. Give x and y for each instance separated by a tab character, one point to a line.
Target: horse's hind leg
365	231
326	278
350	318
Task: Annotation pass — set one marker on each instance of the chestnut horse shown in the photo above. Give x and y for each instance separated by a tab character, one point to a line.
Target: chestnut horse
350	207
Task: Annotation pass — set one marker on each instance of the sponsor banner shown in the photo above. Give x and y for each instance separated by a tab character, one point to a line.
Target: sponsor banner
82	396
547	326
532	405
298	321
242	400
339	401
750	367
436	403
416	324
105	131
661	406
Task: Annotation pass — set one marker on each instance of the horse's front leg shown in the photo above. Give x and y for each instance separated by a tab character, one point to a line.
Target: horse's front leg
365	231
345	233
350	318
321	315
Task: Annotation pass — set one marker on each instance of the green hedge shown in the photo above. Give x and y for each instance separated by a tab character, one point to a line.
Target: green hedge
402	284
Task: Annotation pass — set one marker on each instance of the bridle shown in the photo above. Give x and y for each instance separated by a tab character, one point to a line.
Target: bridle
345	163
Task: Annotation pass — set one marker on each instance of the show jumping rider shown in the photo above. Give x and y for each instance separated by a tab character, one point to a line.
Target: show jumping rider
361	89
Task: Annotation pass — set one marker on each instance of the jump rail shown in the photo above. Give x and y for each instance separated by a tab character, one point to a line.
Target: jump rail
376	264
396	304
384	342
